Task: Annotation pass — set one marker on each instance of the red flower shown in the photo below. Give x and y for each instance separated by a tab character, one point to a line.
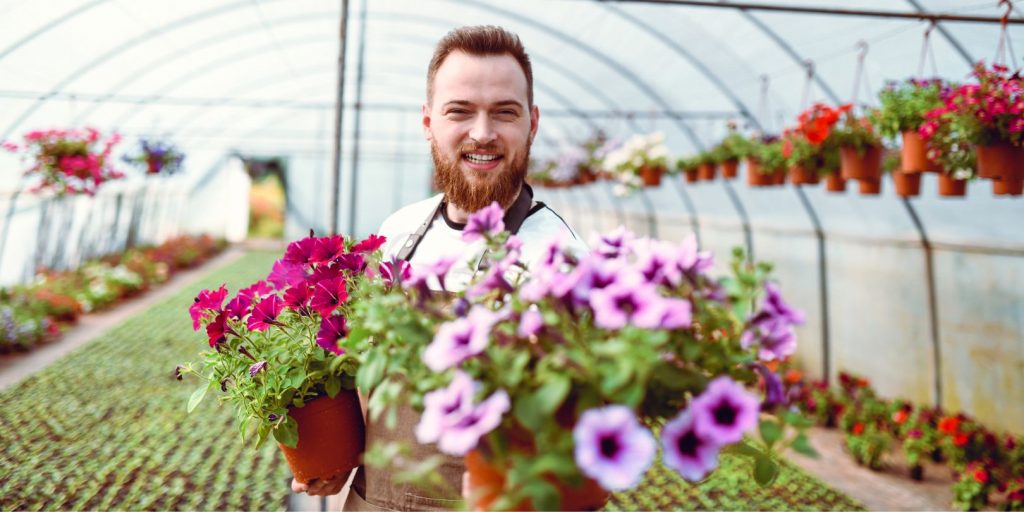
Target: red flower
239	306
981	476
899	417
297	297
265	314
858	428
217	328
328	295
949	425
961	440
372	243
206	300
327	248
285	273
300	252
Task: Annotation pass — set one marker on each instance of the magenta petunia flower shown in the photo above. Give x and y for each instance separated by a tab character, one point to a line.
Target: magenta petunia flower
612	245
298	297
665	313
328	295
685	450
443	408
265	313
625	301
257	290
531	323
326	249
351	261
239	306
725	411
285	273
332	329
395	271
460	339
485	222
323	273
257	368
612	447
300	252
465	434
216	330
372	243
206	300
774	304
433	272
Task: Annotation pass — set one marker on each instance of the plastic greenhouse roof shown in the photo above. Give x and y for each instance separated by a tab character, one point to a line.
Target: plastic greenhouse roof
260	76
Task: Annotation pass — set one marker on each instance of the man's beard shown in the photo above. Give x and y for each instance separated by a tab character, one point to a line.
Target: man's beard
472	196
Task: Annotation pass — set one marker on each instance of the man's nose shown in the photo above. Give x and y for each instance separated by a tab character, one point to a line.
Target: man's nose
483	130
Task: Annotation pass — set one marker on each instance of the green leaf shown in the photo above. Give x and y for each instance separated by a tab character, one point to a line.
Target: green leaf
543	495
197	396
765	470
333	386
742	448
552	393
527	414
771	432
372	372
287	433
802	445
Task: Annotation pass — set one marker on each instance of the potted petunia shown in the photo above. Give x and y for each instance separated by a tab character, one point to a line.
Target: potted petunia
641	160
156	157
707	165
766	164
945	137
903	106
560	385
279	354
68	162
860	151
688	167
811	149
733	148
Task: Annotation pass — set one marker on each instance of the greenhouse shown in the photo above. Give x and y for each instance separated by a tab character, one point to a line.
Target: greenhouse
532	255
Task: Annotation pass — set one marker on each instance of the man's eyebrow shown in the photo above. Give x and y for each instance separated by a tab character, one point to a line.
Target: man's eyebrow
502	103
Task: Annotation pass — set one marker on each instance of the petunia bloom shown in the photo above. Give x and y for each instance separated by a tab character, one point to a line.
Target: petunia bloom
332	329
328	295
465	434
531	323
685	451
265	314
485	222
285	273
206	300
217	329
257	368
327	248
443	408
612	447
725	411
460	339
300	252
372	243
625	301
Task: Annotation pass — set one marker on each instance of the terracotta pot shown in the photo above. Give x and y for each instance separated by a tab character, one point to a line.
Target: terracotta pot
835	183
949	187
799	175
692	176
1000	162
707	172
729	169
914	155
332	437
857	166
870	187
907	184
779	177
1008	187
755	178
486	481
651	176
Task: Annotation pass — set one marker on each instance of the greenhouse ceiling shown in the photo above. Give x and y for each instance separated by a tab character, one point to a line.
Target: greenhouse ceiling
260	76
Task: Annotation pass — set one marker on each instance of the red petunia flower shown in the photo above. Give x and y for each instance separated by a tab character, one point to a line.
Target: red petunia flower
961	440
328	295
858	428
206	300
217	328
981	476
949	425
300	252
285	273
372	243
265	314
328	248
297	297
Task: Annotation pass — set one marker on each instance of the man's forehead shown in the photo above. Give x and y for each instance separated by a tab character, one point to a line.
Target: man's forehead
480	79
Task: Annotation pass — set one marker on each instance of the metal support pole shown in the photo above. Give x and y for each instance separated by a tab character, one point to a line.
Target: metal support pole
652	220
933	306
353	191
339	109
819	234
690	207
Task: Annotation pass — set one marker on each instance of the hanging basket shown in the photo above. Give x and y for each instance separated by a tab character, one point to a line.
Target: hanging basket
835	183
730	169
907	184
800	175
1000	162
857	165
707	171
870	187
1013	186
914	155
756	176
332	437
691	175
950	187
779	177
651	176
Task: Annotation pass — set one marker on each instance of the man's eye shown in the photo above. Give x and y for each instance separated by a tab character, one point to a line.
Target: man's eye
457	111
507	113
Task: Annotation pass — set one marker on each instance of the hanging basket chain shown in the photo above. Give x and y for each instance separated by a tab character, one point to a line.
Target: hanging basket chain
763	107
860	75
927	50
805	98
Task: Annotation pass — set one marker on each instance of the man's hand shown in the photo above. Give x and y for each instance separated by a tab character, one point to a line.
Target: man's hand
320	487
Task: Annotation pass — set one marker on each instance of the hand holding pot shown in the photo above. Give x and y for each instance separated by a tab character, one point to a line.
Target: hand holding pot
328	487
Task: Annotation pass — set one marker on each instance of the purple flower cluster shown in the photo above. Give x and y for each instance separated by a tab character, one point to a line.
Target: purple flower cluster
612	447
453	421
771	327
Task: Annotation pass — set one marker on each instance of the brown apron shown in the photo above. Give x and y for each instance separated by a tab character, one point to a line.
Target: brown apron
374	488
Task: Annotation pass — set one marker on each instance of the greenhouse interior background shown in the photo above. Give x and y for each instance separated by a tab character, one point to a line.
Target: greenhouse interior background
921	295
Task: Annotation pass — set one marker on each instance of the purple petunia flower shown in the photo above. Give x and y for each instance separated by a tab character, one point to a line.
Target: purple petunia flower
774	304
531	323
626	300
771	327
665	313
689	454
774	391
427	275
351	261
612	447
395	271
465	434
239	306
285	273
265	314
332	329
725	411
657	262
612	245
460	339
485	222
206	300
257	368
443	408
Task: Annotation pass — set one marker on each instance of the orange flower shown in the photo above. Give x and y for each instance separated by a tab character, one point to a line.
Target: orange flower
858	428
949	425
899	417
793	376
981	476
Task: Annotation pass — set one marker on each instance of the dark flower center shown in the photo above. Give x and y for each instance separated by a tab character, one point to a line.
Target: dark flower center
462	340
688	443
725	414
609	445
626	304
452	407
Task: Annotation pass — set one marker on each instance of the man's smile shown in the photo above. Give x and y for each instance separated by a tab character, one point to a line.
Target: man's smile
482	161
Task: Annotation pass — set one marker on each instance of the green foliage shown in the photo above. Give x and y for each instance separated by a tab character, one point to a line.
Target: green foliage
105	428
904	104
857	132
771	157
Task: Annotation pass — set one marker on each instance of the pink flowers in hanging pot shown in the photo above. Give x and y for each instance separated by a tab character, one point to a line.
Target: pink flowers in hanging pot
74	161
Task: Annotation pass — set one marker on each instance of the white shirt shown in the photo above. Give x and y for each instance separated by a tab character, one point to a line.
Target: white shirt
444	239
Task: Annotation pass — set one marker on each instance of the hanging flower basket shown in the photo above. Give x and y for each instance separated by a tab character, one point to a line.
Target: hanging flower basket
870	187
1000	161
651	175
914	155
865	164
707	171
331	437
800	175
908	184
950	186
730	169
835	182
1013	186
756	176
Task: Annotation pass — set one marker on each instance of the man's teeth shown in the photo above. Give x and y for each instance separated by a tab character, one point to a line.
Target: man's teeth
480	159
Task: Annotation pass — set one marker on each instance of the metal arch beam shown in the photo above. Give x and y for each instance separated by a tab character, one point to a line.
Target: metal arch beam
689	57
117	50
169	57
614	64
945	33
73	13
573	77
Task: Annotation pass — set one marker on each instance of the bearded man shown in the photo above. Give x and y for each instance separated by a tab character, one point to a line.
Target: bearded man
480	120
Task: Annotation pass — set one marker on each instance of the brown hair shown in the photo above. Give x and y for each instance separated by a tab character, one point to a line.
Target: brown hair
480	40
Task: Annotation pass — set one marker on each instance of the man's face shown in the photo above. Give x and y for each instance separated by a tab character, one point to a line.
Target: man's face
480	128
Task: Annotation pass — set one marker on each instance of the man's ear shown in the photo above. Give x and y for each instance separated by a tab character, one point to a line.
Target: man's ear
426	122
534	121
